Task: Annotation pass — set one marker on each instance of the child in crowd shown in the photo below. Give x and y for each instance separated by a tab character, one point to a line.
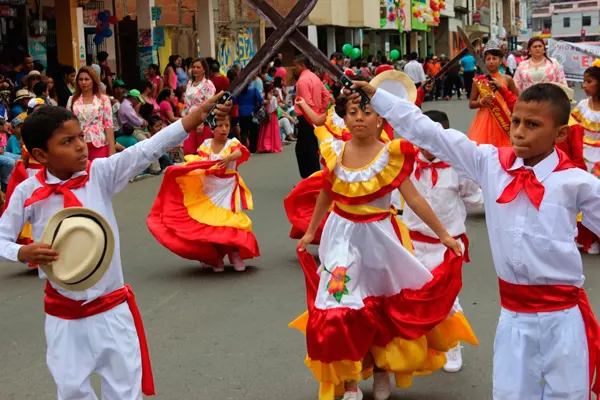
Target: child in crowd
211	222
547	338
126	139
361	319
68	179
155	125
492	121
449	196
585	142
269	137
14	141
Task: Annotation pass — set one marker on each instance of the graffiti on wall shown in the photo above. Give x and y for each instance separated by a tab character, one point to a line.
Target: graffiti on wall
238	49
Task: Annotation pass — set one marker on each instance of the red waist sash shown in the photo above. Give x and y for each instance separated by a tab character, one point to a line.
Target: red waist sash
62	307
548	298
419	237
363	218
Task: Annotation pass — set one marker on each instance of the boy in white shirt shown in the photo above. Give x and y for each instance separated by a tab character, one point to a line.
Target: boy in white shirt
547	340
85	331
449	196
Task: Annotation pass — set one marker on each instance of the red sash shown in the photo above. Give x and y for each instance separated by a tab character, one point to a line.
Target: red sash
419	237
498	108
548	298
62	307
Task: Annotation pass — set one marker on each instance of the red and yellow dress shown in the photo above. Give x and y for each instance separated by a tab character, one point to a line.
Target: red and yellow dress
585	124
199	211
371	302
300	203
491	124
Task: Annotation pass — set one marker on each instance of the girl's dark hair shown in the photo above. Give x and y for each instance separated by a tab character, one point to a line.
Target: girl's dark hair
40	125
40	88
495	53
594	73
268	86
163	96
537	39
171	63
145	84
146	111
179	92
342	101
153	119
156	68
127	129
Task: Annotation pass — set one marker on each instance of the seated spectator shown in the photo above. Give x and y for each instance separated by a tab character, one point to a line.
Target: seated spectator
126	139
155	125
286	124
7	160
166	103
40	90
119	91
128	112
14	141
20	104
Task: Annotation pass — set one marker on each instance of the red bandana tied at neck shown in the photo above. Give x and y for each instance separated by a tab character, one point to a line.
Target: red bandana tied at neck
421	165
64	188
525	179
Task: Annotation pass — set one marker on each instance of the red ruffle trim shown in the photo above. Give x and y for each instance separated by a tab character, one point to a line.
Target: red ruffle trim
172	226
300	205
348	334
18	175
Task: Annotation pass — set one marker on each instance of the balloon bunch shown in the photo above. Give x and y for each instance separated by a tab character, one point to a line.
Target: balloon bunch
103	31
435	10
427	13
352	52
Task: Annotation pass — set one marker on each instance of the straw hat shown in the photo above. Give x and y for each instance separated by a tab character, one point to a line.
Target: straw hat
86	244
397	83
23	94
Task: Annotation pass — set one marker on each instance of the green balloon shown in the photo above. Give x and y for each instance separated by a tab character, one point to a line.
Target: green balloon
394	54
355	53
347	49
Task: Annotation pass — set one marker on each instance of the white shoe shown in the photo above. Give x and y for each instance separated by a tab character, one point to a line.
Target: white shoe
220	267
238	263
382	386
453	359
594	249
353	395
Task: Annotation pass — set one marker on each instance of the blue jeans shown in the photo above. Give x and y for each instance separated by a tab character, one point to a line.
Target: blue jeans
7	164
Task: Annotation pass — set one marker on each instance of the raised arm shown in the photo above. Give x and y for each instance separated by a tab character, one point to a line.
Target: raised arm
448	145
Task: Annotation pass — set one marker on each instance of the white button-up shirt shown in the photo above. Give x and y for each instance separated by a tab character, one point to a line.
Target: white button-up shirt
108	176
449	199
414	69
529	246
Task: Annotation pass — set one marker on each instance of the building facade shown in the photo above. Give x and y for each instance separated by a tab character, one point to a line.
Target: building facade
573	21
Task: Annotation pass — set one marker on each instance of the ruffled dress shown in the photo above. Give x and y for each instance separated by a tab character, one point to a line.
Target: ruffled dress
371	302
300	203
588	121
199	211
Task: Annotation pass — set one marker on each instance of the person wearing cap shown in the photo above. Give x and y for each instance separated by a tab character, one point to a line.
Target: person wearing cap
20	104
92	324
119	90
34	104
128	113
93	109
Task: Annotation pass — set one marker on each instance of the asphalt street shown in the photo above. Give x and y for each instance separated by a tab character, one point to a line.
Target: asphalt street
225	336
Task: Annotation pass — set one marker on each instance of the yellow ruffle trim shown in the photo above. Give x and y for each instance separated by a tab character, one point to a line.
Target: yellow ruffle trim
404	358
580	119
579	217
358	189
201	208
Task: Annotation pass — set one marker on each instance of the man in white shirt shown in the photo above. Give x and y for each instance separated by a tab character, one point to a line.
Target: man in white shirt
414	69
511	63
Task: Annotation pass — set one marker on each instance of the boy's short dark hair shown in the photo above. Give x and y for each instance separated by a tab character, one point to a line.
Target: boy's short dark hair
215	68
439	117
554	96
127	129
40	88
413	56
495	52
153	119
102	56
40	125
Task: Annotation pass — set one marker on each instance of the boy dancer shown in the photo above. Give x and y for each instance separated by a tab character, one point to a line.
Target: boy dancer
546	343
85	334
449	196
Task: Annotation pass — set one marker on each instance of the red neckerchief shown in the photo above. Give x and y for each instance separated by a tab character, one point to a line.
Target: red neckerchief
421	165
65	188
525	179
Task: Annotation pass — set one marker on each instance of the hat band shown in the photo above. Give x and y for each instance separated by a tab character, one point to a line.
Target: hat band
103	250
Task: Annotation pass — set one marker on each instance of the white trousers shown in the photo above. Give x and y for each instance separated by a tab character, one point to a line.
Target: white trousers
541	356
431	255
106	344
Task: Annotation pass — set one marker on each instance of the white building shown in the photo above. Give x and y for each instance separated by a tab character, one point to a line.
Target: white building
567	20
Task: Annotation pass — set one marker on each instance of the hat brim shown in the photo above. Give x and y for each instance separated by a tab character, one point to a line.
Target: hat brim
92	273
396	83
22	97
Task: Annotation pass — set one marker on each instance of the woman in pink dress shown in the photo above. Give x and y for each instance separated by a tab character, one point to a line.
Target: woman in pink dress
538	68
94	112
153	75
171	72
199	89
269	138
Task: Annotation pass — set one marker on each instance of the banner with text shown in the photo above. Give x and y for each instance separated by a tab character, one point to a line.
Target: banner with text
574	58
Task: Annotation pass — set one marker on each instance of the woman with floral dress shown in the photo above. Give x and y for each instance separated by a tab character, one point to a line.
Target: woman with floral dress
94	112
199	89
538	68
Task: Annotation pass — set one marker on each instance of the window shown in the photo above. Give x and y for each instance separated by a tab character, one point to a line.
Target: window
547	24
587	20
567	22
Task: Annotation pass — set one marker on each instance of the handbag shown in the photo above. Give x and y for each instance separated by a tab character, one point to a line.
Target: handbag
260	113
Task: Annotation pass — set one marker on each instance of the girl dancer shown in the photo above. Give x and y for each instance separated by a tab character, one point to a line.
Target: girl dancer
492	122
198	213
363	315
269	138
